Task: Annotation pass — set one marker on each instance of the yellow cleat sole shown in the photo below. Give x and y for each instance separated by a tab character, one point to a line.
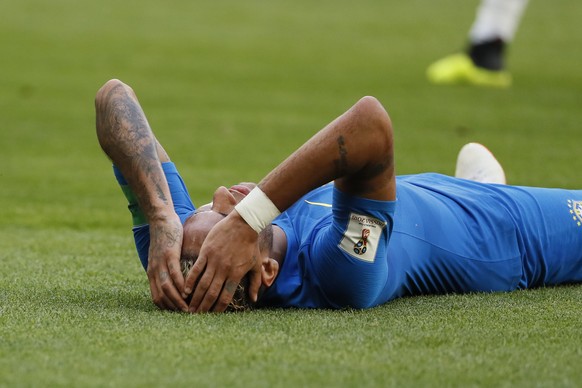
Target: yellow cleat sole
459	69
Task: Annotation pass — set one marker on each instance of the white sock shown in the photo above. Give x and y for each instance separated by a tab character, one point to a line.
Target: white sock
497	19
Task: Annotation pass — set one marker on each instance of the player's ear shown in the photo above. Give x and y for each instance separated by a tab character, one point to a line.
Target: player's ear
269	271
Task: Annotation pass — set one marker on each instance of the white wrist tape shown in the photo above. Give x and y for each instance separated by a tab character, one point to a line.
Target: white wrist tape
257	209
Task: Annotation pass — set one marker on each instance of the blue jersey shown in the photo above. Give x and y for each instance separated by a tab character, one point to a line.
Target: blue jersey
441	235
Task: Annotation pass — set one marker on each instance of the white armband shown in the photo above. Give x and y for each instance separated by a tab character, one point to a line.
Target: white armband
257	209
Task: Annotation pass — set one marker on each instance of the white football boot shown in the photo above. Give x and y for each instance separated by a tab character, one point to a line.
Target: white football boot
475	162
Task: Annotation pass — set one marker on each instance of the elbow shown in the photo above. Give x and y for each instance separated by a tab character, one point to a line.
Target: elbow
110	90
103	94
377	123
372	108
106	99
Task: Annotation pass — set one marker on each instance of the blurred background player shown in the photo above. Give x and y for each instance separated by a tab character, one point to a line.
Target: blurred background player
483	63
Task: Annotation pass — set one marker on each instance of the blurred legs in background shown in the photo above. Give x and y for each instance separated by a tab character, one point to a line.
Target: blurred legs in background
483	63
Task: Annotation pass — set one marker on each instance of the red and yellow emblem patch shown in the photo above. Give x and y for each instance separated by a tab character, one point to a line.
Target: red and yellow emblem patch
362	237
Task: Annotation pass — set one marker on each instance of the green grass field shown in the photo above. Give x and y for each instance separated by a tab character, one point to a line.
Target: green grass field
230	89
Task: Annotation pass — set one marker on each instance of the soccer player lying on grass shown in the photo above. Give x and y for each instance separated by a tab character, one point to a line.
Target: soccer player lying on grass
361	241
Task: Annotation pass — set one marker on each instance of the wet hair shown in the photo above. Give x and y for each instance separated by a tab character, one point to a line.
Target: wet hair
240	300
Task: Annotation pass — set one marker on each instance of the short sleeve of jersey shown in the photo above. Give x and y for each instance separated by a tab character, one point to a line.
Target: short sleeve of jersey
347	258
180	198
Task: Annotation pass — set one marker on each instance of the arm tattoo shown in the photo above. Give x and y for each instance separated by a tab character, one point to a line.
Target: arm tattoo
172	237
376	169
341	164
230	286
165	237
130	131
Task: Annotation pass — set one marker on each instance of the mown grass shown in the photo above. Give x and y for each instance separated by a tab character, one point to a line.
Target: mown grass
230	89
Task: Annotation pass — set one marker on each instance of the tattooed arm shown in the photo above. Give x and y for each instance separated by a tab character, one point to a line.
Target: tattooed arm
355	150
126	137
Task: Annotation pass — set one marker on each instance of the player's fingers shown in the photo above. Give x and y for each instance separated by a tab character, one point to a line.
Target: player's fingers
194	274
166	283
225	296
201	288
171	297
212	294
176	276
168	304
158	296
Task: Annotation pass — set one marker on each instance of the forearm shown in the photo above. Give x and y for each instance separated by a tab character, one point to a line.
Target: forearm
355	150
125	136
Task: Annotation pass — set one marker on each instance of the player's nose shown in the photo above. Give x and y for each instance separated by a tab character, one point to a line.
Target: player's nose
223	201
